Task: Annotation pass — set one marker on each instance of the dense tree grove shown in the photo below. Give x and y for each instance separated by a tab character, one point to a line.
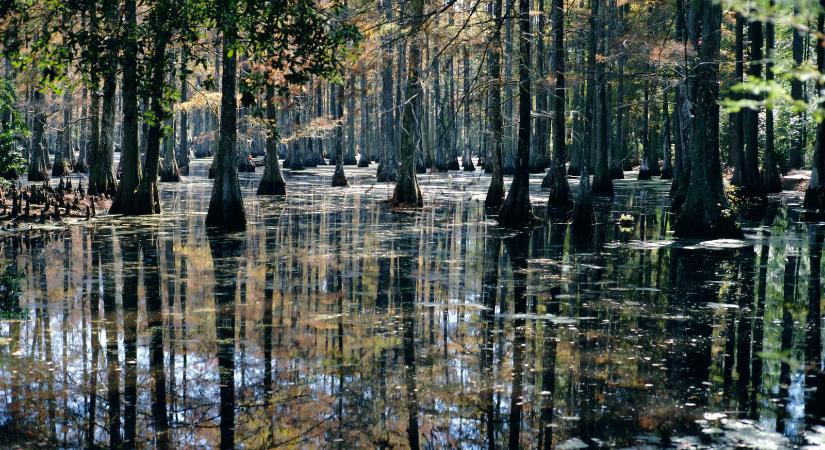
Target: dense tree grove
504	87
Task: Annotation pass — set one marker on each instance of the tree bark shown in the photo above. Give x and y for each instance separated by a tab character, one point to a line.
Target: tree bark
602	183
183	126
751	182
38	155
387	167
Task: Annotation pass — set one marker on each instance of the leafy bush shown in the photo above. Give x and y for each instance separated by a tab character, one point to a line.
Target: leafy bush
12	130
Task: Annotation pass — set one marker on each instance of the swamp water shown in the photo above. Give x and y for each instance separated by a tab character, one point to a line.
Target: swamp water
334	322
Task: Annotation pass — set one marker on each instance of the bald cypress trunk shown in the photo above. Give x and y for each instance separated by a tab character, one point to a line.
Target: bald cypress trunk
466	159
798	132
556	179
183	126
226	210
407	194
349	156
387	167
101	177
495	192
538	151
815	194
516	212
38	171
364	131
667	169
272	182
64	142
702	215
339	178
751	183
602	183
771	180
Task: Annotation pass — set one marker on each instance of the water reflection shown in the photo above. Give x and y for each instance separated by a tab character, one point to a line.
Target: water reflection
334	322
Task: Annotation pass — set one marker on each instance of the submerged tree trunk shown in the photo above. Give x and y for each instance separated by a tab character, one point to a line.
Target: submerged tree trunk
349	156
815	194
556	179
226	210
702	214
495	192
407	194
363	154
516	211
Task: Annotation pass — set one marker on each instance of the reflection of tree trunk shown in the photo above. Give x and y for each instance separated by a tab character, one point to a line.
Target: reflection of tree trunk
517	247
129	251
744	331
786	335
815	379
759	328
225	253
492	249
151	284
406	289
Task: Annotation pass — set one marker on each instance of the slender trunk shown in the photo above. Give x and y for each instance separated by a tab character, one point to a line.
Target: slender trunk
644	168
364	129
63	149
538	151
101	176
349	156
737	134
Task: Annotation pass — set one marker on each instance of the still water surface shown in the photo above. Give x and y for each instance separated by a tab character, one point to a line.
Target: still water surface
334	322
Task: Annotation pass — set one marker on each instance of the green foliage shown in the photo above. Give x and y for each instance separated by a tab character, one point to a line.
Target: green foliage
10	292
12	129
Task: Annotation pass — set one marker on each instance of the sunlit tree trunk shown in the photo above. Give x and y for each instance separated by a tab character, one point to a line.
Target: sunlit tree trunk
339	178
467	158
799	126
272	182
